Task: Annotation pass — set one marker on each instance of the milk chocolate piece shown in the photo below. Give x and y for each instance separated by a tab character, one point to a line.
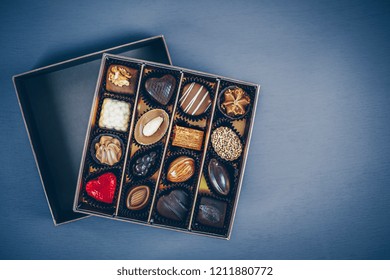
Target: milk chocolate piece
226	143
114	115
195	99
219	177
181	169
161	89
211	212
145	163
138	197
151	127
108	150
234	101
187	138
175	205
121	79
102	188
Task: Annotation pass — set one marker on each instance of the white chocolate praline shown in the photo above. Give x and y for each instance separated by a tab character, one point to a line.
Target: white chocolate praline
152	126
115	115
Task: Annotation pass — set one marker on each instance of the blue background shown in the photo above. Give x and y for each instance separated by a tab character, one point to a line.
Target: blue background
317	183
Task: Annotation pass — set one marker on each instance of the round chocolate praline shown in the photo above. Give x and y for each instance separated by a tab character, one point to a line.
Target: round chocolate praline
234	102
195	99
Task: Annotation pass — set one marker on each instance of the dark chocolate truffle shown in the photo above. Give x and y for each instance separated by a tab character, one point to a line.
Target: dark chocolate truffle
219	177
161	89
211	212
195	99
175	205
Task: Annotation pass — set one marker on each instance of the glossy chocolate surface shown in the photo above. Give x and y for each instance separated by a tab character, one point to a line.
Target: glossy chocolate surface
219	177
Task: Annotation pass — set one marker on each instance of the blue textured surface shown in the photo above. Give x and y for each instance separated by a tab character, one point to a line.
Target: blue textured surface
317	184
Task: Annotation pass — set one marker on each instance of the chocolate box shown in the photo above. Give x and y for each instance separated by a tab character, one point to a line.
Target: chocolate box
166	146
53	102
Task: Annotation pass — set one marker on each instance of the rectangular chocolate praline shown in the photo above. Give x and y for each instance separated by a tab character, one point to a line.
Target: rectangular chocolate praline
187	138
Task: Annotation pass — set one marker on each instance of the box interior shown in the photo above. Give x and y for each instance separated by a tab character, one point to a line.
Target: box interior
56	102
168	199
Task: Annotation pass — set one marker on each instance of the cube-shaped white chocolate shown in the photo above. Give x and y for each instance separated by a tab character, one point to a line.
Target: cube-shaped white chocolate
115	115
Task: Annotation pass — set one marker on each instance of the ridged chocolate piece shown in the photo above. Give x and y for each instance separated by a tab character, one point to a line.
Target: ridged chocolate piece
174	206
161	89
211	212
219	177
181	169
187	138
137	198
195	99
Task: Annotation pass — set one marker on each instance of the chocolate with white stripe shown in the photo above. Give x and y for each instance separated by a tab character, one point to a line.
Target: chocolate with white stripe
195	99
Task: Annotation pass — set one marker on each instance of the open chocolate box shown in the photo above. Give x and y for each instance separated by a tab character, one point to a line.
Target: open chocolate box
53	101
166	146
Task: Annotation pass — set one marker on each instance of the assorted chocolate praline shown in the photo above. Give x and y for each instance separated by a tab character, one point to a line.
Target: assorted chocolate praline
219	177
161	89
102	188
181	169
195	99
211	212
107	149
234	102
226	143
137	197
115	115
121	79
144	163
186	137
175	205
151	127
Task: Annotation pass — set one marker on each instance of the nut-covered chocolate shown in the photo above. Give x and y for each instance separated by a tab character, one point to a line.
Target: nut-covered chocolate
151	127
226	143
219	177
211	212
175	205
121	79
234	102
187	138
161	89
138	197
195	99
181	169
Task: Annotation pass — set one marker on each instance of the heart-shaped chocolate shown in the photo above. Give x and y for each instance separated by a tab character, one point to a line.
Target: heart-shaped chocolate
102	188
161	89
175	205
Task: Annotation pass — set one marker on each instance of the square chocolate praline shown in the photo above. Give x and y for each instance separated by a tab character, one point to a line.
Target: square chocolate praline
121	79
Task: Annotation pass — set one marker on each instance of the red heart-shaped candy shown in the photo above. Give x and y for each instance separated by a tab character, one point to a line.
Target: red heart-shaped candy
102	188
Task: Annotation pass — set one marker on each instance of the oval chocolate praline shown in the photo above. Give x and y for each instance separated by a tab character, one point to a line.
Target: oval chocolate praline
181	169
145	163
137	197
219	177
151	127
